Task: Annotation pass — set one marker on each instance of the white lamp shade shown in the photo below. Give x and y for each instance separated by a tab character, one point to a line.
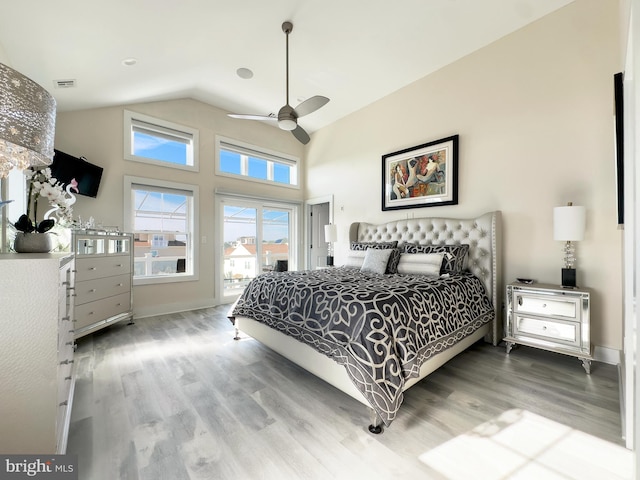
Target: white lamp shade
330	233
569	223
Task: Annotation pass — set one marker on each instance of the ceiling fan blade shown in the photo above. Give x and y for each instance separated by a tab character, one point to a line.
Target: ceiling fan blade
310	105
301	135
252	117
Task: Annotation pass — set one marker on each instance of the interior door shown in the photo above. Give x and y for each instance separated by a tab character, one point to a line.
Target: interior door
318	248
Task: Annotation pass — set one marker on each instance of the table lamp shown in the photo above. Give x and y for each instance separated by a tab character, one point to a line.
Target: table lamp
330	236
568	226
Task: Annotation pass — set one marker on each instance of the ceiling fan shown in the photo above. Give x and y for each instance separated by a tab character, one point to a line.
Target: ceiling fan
287	117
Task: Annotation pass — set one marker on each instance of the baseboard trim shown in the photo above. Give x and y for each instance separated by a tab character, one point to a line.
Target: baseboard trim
606	355
167	309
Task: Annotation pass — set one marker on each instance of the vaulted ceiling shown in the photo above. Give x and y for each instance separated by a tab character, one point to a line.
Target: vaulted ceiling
352	51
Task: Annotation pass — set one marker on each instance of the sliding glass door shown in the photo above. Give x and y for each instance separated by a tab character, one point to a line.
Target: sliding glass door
256	237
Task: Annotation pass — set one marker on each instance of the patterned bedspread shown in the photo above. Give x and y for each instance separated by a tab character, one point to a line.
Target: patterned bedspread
380	327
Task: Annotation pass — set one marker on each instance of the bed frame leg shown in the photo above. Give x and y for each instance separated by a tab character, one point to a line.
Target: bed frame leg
376	422
237	336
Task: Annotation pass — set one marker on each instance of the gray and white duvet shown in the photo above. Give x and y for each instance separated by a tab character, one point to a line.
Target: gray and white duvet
380	327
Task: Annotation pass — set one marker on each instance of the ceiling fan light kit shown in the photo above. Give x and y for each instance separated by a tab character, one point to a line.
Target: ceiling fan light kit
288	116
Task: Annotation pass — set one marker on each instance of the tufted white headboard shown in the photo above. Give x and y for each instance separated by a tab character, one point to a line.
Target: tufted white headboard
483	235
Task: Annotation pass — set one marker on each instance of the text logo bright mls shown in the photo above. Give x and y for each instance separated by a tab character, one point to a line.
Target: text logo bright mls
50	467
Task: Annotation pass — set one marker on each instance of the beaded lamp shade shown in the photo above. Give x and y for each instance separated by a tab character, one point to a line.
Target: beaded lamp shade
27	122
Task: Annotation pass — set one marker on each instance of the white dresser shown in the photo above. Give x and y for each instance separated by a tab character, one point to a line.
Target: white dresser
549	317
104	273
36	352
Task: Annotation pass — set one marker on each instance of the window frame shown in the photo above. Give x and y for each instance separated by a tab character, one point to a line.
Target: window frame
270	156
133	120
129	182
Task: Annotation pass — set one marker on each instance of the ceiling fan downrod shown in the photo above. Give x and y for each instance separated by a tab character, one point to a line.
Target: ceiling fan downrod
287	119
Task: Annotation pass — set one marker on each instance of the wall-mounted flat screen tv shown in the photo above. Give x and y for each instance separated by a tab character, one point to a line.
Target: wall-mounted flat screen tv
66	167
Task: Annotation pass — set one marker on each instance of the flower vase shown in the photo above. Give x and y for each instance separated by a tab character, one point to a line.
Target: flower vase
33	242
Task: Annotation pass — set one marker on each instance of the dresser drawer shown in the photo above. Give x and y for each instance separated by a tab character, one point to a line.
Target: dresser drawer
538	305
98	267
567	333
90	313
92	290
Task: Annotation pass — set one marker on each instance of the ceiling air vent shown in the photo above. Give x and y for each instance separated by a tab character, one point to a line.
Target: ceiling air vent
71	83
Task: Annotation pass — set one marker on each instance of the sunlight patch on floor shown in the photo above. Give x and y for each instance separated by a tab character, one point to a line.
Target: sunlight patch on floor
522	445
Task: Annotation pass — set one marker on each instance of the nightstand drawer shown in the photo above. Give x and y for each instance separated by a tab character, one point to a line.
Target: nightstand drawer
566	332
546	306
549	317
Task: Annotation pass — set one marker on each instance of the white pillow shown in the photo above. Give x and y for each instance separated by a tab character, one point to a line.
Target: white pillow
375	260
355	258
421	263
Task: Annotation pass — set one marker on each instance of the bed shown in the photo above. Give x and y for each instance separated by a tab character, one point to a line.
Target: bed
370	334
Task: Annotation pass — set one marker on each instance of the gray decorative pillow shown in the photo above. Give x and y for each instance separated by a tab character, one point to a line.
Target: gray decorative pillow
394	259
455	256
375	260
377	245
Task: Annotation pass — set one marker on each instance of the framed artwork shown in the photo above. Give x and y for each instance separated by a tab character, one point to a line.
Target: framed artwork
421	176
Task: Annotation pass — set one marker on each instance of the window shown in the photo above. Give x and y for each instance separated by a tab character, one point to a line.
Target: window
238	159
162	216
155	141
158	241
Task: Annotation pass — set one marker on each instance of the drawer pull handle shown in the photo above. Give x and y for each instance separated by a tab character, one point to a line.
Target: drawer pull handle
520	301
544	305
544	327
68	378
66	362
119	265
66	318
69	343
63	404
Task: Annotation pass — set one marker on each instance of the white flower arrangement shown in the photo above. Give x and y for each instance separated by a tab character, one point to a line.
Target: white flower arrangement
42	184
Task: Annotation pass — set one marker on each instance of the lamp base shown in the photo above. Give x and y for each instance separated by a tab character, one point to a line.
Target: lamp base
329	261
568	277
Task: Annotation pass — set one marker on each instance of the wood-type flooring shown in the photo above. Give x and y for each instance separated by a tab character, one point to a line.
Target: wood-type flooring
175	397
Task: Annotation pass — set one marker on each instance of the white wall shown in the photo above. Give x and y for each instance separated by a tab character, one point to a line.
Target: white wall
534	112
98	135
